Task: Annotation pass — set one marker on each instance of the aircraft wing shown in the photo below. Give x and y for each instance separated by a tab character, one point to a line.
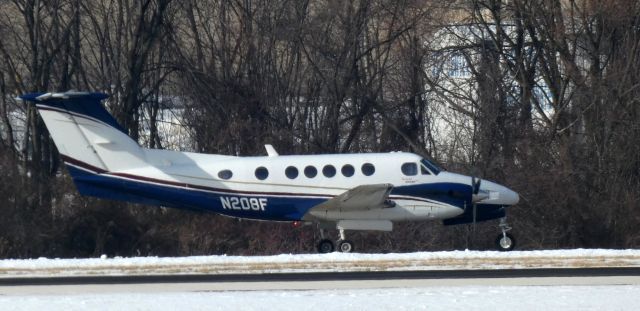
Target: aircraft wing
364	197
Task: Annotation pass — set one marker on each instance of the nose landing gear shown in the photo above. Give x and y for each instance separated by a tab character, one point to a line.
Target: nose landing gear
505	241
344	245
327	246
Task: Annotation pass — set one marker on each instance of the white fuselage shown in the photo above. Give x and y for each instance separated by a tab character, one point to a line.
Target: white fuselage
105	162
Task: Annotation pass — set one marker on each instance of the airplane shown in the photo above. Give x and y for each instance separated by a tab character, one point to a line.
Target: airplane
363	191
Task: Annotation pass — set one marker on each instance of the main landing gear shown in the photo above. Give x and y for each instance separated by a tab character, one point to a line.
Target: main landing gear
326	246
505	241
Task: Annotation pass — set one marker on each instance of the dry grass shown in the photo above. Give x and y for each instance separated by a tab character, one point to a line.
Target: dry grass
319	265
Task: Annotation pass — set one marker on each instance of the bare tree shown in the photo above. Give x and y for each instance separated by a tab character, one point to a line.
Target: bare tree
539	95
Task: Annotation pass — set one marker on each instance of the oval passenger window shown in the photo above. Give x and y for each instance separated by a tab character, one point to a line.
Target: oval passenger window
329	171
291	172
348	170
225	174
310	171
262	173
368	169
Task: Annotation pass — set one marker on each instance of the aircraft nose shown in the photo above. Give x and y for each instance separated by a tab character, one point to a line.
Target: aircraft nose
498	194
510	197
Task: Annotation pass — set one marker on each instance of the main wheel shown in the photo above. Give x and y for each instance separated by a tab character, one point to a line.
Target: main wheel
325	246
345	246
505	242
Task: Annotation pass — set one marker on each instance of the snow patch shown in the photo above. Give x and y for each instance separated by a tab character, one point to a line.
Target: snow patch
522	298
333	262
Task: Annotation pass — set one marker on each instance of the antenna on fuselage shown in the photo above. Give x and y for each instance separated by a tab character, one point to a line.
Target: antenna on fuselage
271	151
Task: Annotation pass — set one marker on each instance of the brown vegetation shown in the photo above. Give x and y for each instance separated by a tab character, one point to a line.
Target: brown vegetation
549	108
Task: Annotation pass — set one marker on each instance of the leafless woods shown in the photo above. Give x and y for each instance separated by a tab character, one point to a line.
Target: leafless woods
538	95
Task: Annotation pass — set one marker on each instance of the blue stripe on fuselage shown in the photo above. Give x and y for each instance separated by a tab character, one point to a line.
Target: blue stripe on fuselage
109	187
281	207
484	212
455	194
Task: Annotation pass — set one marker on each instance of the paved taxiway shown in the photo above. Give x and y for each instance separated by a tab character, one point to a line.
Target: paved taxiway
318	281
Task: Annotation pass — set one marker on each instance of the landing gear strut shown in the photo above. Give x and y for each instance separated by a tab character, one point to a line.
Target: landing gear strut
326	246
505	241
344	245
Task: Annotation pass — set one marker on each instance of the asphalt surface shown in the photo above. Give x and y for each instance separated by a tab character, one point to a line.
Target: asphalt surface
461	275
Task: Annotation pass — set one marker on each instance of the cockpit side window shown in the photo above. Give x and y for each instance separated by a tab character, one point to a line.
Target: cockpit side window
409	169
424	170
432	167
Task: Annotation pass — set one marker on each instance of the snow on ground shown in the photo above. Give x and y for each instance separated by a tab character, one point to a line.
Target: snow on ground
522	298
320	262
401	297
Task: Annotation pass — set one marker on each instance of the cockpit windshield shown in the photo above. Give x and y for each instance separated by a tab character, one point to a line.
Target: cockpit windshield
432	167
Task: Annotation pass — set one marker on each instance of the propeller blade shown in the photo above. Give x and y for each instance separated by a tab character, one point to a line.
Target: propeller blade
476	185
476	195
475	215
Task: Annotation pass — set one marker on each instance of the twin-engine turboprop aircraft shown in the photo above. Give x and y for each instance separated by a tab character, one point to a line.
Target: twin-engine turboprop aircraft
369	191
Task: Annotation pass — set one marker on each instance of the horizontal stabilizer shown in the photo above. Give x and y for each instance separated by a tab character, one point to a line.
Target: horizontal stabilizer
83	104
85	133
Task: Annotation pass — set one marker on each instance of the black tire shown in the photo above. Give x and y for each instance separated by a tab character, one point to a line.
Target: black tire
506	242
345	246
325	246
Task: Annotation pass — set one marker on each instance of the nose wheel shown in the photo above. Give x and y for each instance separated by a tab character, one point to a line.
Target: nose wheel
345	246
505	241
327	246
